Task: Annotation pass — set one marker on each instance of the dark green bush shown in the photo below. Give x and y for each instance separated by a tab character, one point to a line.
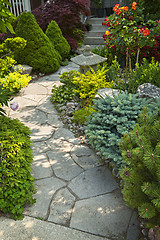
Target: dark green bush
39	51
141	152
54	33
16	182
113	118
5	96
64	93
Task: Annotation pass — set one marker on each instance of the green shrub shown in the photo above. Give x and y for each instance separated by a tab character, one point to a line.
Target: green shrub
81	115
113	118
14	81
62	94
39	51
88	84
54	33
16	182
5	96
141	152
147	73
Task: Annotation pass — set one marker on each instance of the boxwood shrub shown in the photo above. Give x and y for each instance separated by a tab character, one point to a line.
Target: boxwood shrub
16	182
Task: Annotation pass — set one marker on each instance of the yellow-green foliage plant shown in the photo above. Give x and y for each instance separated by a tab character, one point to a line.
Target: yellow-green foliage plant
7	49
14	81
89	83
39	52
54	33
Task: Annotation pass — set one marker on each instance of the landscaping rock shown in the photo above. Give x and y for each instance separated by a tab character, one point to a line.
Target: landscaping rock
93	182
106	91
147	90
23	69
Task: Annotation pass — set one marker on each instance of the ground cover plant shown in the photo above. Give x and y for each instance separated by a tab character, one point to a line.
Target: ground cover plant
15	165
39	51
141	152
113	118
54	33
59	10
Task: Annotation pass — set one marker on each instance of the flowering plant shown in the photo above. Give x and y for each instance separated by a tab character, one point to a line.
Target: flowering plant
128	33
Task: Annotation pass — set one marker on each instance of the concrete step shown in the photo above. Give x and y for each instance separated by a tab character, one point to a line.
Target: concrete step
94	41
94	34
95	20
98	28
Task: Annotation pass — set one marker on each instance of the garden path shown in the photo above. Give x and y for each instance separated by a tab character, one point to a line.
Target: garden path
77	197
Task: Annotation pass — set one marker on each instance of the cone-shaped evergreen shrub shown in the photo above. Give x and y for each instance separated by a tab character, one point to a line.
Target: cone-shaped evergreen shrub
54	33
39	51
141	152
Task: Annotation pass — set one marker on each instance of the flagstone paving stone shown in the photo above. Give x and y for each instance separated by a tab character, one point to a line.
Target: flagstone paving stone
93	182
61	207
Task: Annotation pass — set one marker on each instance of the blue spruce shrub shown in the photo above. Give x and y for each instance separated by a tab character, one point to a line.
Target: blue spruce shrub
39	51
113	118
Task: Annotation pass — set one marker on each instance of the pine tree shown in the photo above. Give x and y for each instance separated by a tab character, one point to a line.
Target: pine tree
141	152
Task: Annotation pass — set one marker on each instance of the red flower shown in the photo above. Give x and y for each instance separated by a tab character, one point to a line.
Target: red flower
116	7
159	21
146	32
118	12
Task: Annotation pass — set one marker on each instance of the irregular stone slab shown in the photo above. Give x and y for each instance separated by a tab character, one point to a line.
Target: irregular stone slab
50	78
104	215
36	98
39	147
65	134
63	165
46	188
33	116
93	182
147	90
61	207
24	102
34	229
59	146
46	106
84	156
54	120
133	232
40	133
107	91
41	167
35	89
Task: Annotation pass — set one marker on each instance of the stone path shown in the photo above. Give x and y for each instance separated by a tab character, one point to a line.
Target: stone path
77	197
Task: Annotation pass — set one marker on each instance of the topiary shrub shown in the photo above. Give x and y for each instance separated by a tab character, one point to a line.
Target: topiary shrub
113	118
16	182
141	152
39	51
54	33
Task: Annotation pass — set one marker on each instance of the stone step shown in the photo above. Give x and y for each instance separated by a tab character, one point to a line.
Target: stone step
95	20
94	34
94	41
98	28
